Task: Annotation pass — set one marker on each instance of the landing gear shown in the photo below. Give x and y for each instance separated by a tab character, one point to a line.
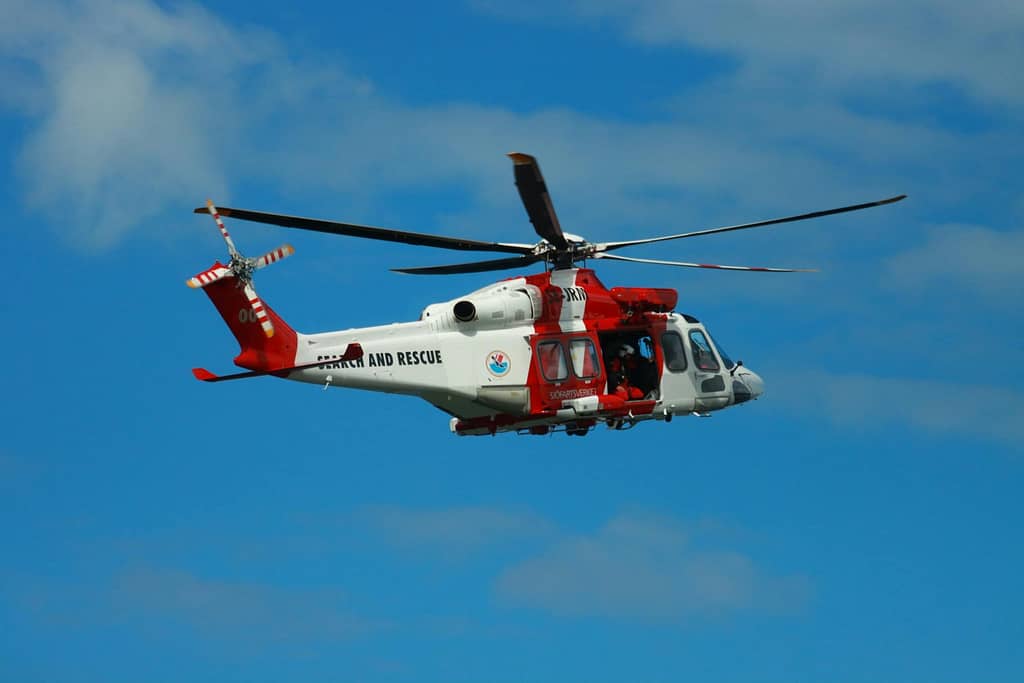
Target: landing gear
578	428
620	424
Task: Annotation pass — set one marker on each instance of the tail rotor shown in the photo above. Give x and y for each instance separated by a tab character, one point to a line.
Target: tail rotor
241	268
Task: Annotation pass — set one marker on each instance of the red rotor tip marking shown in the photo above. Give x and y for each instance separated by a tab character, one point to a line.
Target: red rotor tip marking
203	374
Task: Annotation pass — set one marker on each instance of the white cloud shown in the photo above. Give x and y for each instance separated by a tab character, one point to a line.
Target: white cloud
121	131
646	568
143	108
141	111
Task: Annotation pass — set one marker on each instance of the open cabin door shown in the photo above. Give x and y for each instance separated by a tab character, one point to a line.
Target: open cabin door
631	361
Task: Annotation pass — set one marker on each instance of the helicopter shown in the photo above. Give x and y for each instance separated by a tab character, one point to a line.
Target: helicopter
553	351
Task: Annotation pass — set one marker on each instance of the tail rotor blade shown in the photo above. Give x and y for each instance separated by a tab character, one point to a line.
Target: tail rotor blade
282	252
208	277
259	310
223	230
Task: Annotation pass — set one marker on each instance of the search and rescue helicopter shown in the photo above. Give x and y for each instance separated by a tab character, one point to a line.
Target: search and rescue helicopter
551	351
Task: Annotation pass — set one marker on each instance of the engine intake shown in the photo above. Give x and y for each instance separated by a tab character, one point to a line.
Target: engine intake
465	311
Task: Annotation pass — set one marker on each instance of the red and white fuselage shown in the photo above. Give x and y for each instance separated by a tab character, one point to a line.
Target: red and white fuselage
526	354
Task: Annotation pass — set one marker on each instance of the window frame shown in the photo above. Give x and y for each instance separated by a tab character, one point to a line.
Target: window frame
682	349
595	358
694	346
540	360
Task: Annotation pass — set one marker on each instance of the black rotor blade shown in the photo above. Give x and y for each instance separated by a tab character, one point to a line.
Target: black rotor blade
715	266
609	246
475	267
534	193
369	232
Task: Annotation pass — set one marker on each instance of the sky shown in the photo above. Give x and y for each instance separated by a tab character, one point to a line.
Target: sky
861	522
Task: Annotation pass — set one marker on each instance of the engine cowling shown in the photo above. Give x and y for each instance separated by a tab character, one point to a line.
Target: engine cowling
488	309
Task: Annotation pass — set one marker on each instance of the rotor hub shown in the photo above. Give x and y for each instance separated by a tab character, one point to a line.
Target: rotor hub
242	267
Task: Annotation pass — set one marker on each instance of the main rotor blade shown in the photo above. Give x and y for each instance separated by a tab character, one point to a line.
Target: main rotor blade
615	257
609	246
370	232
475	267
534	193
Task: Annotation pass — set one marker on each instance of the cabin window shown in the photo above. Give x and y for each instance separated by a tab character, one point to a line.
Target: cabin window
675	354
584	358
703	356
552	361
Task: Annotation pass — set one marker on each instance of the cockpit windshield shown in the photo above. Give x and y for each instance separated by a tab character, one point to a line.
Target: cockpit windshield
729	364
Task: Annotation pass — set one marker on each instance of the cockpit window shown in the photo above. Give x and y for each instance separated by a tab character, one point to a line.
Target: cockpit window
729	364
675	354
703	356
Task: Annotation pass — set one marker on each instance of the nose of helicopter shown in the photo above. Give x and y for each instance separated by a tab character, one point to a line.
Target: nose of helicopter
747	385
754	383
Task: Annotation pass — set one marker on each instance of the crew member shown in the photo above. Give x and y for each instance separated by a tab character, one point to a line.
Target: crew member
620	369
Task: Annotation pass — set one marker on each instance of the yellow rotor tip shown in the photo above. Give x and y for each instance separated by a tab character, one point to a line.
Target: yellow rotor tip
520	158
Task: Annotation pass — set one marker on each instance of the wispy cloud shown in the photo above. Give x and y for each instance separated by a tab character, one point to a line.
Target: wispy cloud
457	529
863	402
988	264
833	44
134	106
646	567
238	610
135	103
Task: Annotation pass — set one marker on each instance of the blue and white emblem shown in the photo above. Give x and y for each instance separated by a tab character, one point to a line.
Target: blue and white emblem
498	363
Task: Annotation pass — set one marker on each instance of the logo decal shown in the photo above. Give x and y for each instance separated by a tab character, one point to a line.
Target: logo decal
498	363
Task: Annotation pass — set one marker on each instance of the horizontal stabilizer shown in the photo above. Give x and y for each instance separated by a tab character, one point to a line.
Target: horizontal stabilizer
352	352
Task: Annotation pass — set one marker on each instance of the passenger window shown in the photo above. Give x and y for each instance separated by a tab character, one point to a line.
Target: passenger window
703	356
584	358
552	361
675	354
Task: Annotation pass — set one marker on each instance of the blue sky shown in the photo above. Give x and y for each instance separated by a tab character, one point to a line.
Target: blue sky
860	523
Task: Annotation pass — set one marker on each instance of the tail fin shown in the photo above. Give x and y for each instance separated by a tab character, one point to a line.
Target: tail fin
258	351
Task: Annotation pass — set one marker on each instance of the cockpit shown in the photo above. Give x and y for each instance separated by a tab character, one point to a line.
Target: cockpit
697	366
